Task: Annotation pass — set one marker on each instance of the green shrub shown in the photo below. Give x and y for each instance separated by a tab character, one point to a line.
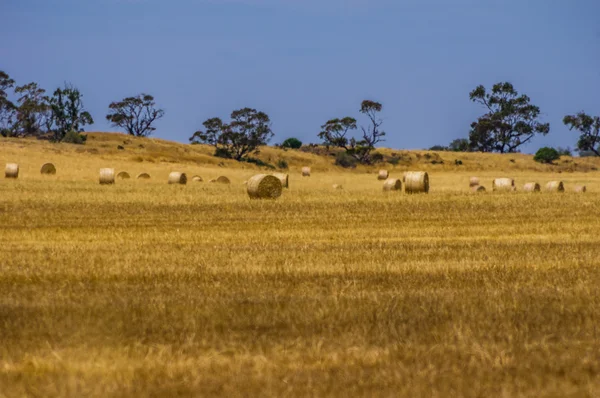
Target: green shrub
292	143
546	155
282	164
377	157
73	137
222	153
346	161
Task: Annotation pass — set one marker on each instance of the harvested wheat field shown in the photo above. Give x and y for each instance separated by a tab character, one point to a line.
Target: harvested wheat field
145	290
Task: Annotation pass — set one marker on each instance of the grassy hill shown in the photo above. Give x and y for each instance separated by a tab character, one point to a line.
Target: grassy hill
150	153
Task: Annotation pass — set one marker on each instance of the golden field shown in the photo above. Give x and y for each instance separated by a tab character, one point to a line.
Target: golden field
154	290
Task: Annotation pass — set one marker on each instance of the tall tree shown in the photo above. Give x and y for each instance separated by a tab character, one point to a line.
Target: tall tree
237	139
68	113
335	132
589	129
7	108
511	120
135	114
32	111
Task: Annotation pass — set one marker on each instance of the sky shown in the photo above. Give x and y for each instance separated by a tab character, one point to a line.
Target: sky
304	62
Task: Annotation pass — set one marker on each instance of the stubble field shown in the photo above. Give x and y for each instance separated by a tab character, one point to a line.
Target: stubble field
146	289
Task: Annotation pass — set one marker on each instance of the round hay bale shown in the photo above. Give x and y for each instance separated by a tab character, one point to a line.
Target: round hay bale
264	186
478	188
555	186
223	180
284	178
473	181
177	178
213	180
48	169
107	176
392	184
11	170
143	176
306	172
197	179
531	187
416	182
123	175
383	175
503	184
580	188
337	186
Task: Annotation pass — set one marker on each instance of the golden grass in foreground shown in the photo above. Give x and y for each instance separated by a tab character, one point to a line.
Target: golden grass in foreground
149	289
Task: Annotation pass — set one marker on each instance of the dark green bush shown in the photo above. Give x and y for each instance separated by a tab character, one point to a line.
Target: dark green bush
292	143
73	137
346	161
546	155
377	157
282	164
258	162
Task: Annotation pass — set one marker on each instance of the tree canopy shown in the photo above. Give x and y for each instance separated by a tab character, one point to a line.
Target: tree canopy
135	114
589	129
510	121
247	130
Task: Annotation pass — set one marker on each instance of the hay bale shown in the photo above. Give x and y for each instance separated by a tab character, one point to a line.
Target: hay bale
392	184
416	182
123	175
306	172
555	186
503	184
143	176
223	180
48	169
177	178
107	176
478	188
197	179
284	178
337	186
383	175
473	181
264	186
531	187
580	188
213	180
11	170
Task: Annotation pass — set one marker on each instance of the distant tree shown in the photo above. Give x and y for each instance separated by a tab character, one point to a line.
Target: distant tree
510	122
292	143
68	113
438	148
459	145
7	108
372	135
247	130
335	133
589	129
32	111
546	155
135	114
564	151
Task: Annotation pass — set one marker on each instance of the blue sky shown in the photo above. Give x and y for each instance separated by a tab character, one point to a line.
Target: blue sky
305	61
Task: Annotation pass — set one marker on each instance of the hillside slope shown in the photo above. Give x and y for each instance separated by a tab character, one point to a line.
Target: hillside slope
124	149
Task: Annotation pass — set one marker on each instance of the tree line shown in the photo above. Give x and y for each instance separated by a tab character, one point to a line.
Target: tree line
62	116
509	121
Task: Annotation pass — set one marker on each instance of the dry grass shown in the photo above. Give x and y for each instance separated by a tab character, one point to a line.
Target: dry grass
140	289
